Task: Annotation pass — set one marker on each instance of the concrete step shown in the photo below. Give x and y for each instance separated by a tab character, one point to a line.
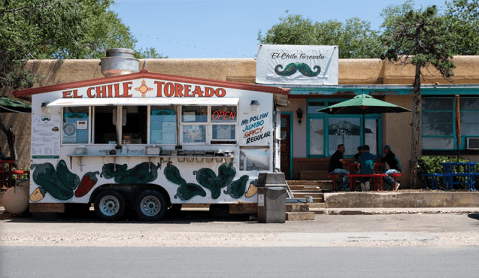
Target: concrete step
310	184
299	216
297	208
318	197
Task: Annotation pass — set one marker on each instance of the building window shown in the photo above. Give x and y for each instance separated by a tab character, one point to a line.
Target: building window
326	132
438	122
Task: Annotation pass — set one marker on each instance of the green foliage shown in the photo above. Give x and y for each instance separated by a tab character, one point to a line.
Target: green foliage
355	38
424	35
58	29
429	164
463	23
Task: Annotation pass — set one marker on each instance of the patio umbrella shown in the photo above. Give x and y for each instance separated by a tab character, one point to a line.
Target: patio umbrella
363	104
8	105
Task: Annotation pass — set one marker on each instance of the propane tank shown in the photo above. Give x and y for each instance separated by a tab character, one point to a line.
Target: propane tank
119	61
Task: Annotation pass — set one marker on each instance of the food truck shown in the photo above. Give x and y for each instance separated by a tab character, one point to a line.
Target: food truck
149	141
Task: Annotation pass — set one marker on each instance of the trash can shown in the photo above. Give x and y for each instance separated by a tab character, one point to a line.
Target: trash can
271	199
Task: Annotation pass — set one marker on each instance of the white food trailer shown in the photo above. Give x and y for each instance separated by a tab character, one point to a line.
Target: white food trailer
150	141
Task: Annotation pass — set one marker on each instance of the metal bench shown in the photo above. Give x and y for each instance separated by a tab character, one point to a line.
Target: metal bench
434	179
334	176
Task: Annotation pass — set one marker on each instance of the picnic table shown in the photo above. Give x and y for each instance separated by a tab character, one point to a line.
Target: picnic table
7	172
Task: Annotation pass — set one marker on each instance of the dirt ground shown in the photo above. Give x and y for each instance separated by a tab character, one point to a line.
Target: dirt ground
198	229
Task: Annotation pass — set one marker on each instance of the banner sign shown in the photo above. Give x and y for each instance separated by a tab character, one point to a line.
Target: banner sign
297	64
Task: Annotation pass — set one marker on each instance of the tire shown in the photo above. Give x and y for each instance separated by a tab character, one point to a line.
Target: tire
109	205
150	205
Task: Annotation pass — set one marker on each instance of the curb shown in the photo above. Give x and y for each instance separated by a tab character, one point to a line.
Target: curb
384	211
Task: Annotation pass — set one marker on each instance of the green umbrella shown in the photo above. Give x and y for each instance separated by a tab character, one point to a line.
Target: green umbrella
363	104
8	105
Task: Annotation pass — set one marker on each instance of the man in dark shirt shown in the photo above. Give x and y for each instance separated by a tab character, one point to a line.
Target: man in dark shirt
336	167
360	152
366	167
394	167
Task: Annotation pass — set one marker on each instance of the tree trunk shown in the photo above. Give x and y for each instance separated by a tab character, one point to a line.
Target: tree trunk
10	139
416	127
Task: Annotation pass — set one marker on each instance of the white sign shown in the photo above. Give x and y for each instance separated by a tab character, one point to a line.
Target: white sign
46	136
297	64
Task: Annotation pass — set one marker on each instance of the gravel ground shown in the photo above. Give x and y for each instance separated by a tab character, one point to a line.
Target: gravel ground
196	229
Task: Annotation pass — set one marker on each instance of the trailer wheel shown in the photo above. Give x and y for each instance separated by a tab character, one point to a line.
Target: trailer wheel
109	205
150	205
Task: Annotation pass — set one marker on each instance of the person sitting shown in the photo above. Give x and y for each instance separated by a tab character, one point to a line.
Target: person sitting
394	168
360	152
336	167
366	167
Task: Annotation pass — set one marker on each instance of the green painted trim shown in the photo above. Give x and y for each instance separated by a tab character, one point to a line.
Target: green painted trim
386	90
290	113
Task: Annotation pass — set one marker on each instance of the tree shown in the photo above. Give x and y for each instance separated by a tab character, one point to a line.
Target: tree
463	22
56	29
422	39
355	38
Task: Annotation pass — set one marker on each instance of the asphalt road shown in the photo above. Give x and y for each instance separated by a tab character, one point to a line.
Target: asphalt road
399	245
238	262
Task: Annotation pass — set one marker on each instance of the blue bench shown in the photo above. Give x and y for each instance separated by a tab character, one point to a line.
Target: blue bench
434	177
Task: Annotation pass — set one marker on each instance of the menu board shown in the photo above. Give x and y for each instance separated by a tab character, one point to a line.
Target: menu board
46	136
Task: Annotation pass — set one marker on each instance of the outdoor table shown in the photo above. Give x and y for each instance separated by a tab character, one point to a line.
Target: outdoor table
375	177
449	175
353	168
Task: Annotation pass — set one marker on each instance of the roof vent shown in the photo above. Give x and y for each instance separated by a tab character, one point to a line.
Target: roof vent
119	61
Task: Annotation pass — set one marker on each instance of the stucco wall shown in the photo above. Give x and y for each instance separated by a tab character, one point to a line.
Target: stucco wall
397	131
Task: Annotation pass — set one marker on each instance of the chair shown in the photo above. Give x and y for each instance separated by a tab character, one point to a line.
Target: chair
395	176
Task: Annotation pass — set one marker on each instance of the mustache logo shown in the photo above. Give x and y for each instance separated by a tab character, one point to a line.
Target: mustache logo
294	67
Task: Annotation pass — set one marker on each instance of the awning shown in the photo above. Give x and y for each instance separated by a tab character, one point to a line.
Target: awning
143	101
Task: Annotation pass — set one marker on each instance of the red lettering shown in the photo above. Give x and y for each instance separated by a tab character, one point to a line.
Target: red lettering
159	86
89	93
126	88
75	94
187	90
220	92
233	115
198	92
178	90
169	89
101	91
110	90
67	94
209	92
117	90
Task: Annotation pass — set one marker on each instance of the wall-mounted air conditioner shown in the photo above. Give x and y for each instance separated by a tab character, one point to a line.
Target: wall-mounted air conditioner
472	143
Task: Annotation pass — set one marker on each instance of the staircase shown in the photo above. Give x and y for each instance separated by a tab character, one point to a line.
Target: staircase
303	189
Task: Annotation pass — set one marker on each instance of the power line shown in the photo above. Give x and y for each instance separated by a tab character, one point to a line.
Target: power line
195	46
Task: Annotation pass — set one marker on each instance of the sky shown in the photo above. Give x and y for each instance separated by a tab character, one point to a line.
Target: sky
229	28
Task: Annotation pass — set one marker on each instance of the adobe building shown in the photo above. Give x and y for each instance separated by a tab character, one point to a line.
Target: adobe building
309	138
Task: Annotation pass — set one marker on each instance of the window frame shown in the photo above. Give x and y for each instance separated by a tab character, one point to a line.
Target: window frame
325	117
463	138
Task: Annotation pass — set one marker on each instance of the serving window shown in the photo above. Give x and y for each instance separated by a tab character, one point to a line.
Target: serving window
216	124
75	125
163	125
160	124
